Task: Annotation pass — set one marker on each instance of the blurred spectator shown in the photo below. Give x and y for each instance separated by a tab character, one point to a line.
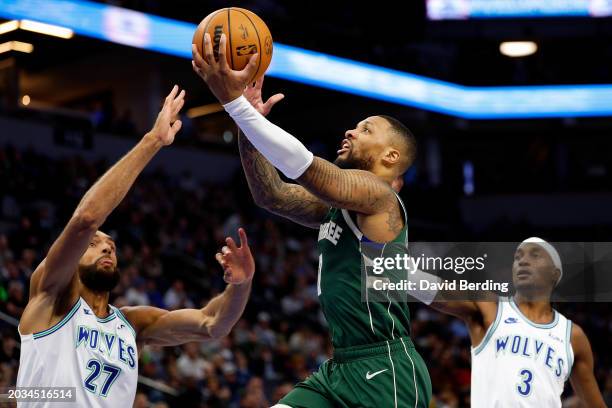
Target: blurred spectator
176	297
141	400
191	364
137	294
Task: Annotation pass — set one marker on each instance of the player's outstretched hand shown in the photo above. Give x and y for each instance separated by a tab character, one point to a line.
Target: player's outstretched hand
237	262
224	82
253	95
167	125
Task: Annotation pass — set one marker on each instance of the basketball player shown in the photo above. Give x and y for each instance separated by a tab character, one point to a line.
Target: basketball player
523	350
71	336
351	201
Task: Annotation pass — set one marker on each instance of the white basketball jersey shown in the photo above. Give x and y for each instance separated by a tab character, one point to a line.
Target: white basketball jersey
520	363
98	357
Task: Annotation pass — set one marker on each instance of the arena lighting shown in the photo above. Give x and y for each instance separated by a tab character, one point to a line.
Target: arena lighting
48	29
9	26
128	27
16	46
518	48
491	9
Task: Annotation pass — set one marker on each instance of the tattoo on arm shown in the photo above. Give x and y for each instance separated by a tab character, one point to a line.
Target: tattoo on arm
272	193
395	220
356	190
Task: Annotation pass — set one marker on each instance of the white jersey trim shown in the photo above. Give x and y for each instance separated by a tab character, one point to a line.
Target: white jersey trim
393	370
126	321
568	348
60	324
416	398
536	325
489	333
391	317
351	224
368	302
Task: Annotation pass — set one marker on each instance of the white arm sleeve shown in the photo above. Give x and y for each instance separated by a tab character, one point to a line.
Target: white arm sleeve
283	150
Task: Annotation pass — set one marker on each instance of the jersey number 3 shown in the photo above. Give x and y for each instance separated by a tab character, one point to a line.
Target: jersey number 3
96	367
524	386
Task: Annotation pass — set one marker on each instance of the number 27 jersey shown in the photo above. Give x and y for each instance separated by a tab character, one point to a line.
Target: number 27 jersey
98	357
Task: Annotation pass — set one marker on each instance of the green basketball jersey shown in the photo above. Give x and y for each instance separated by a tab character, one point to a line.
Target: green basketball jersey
342	284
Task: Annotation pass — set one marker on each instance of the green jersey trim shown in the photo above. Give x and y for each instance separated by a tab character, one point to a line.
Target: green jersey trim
353	225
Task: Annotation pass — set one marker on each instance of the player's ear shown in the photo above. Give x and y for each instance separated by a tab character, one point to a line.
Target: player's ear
555	277
391	156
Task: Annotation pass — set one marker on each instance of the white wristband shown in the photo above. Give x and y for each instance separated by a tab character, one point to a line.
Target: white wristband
283	150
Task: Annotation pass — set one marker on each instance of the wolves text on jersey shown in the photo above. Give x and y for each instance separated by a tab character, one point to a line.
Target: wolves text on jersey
106	343
527	347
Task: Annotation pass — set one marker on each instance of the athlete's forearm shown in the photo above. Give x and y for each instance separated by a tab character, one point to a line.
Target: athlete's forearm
283	150
269	191
226	309
102	198
356	190
264	181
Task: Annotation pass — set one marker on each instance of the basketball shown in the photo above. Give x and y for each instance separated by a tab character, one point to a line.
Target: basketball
246	33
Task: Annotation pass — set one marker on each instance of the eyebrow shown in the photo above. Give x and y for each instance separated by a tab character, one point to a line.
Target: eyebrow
364	123
107	238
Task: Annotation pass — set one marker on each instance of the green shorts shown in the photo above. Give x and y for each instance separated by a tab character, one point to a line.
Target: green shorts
387	374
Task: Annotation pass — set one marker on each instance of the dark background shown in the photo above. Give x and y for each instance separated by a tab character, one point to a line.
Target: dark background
549	177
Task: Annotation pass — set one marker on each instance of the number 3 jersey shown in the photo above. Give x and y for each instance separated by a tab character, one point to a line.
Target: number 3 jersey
97	356
520	363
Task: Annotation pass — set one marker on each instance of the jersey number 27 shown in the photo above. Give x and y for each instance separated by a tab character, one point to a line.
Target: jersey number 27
97	367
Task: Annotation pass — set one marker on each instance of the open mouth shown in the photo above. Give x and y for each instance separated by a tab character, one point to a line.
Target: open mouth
345	146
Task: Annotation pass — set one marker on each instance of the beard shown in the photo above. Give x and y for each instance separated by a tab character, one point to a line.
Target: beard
99	279
353	162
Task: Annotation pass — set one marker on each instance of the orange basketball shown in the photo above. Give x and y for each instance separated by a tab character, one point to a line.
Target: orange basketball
246	35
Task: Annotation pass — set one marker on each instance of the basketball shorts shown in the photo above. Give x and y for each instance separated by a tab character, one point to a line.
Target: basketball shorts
387	374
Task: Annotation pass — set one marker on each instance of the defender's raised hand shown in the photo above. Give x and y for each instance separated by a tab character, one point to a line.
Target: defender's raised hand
225	83
167	125
237	262
253	95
